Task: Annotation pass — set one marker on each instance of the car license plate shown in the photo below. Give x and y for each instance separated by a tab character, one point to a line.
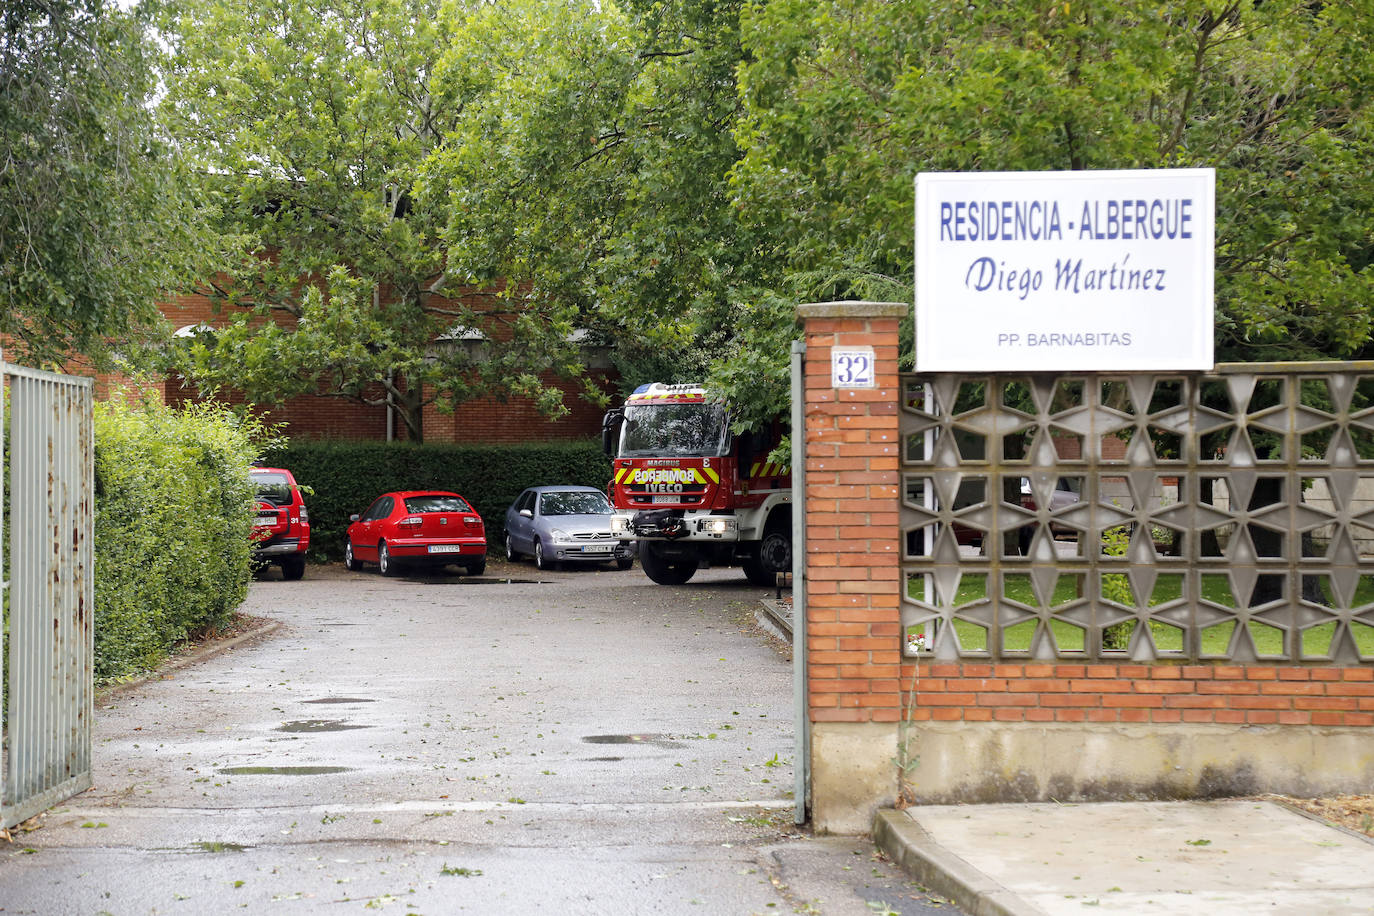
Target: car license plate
445	548
658	500
597	548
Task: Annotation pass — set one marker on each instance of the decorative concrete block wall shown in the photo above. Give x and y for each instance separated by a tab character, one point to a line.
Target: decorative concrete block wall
1116	686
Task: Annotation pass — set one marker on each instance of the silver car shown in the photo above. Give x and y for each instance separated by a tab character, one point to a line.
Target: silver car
567	524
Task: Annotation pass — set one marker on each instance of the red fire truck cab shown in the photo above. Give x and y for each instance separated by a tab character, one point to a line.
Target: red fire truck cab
691	493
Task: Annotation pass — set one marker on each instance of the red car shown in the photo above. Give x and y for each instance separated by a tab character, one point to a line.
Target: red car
423	527
281	529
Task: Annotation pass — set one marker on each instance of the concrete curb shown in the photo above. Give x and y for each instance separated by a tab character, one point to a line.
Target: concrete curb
775	617
907	843
1313	816
198	654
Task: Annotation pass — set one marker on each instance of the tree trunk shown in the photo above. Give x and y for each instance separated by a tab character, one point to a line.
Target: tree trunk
410	406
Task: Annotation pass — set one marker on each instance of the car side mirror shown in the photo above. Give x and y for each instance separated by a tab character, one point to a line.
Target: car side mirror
353	517
526	513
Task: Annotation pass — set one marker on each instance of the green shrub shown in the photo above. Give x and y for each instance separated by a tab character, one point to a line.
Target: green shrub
344	477
174	511
1117	587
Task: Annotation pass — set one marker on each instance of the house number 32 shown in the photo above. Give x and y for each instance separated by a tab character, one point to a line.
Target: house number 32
852	368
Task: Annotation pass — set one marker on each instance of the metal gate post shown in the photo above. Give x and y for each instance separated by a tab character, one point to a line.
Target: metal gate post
4	602
801	766
50	590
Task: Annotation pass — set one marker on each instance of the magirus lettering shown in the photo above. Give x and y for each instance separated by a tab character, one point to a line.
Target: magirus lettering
664	475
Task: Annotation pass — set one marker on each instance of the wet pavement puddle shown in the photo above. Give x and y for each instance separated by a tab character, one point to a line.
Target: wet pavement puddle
340	700
651	740
282	771
318	725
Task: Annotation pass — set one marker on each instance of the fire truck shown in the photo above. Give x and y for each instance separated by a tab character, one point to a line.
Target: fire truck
691	493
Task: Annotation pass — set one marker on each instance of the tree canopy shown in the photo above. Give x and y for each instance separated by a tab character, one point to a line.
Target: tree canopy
312	124
598	173
847	101
95	219
676	175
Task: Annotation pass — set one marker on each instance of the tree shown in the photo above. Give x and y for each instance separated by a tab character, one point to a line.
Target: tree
677	175
846	101
596	171
95	221
312	124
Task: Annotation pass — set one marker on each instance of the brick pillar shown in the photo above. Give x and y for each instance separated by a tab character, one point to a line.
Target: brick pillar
853	577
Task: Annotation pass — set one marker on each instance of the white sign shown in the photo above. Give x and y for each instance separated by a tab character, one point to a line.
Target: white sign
852	368
1053	271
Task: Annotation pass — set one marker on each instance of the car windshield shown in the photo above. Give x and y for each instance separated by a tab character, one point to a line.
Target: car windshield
273	488
436	503
575	502
696	430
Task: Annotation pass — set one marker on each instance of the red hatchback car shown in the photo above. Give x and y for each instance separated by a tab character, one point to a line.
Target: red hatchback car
424	527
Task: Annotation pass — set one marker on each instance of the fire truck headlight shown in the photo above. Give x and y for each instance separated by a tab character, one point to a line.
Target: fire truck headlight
716	525
620	525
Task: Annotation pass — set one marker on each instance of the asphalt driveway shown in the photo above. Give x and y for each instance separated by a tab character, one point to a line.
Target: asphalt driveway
575	742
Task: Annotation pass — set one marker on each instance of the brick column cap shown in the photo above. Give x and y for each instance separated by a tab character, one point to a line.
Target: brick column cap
853	309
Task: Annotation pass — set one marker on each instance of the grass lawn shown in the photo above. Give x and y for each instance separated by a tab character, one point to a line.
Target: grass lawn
1168	587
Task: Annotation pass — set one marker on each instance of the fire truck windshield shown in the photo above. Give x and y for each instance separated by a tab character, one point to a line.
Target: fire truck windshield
697	430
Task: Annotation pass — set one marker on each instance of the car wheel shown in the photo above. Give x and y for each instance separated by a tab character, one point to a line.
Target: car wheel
350	561
385	565
476	569
540	560
511	555
293	569
624	562
663	570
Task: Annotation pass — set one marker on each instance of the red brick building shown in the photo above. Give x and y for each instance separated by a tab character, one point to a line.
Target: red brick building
490	420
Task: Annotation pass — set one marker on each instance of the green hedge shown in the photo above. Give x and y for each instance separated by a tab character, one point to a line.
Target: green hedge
344	477
174	511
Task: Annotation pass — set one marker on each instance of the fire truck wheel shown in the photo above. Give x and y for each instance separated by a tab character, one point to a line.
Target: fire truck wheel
775	556
753	571
661	569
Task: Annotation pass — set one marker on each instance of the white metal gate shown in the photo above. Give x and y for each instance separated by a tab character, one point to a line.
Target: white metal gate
49	596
